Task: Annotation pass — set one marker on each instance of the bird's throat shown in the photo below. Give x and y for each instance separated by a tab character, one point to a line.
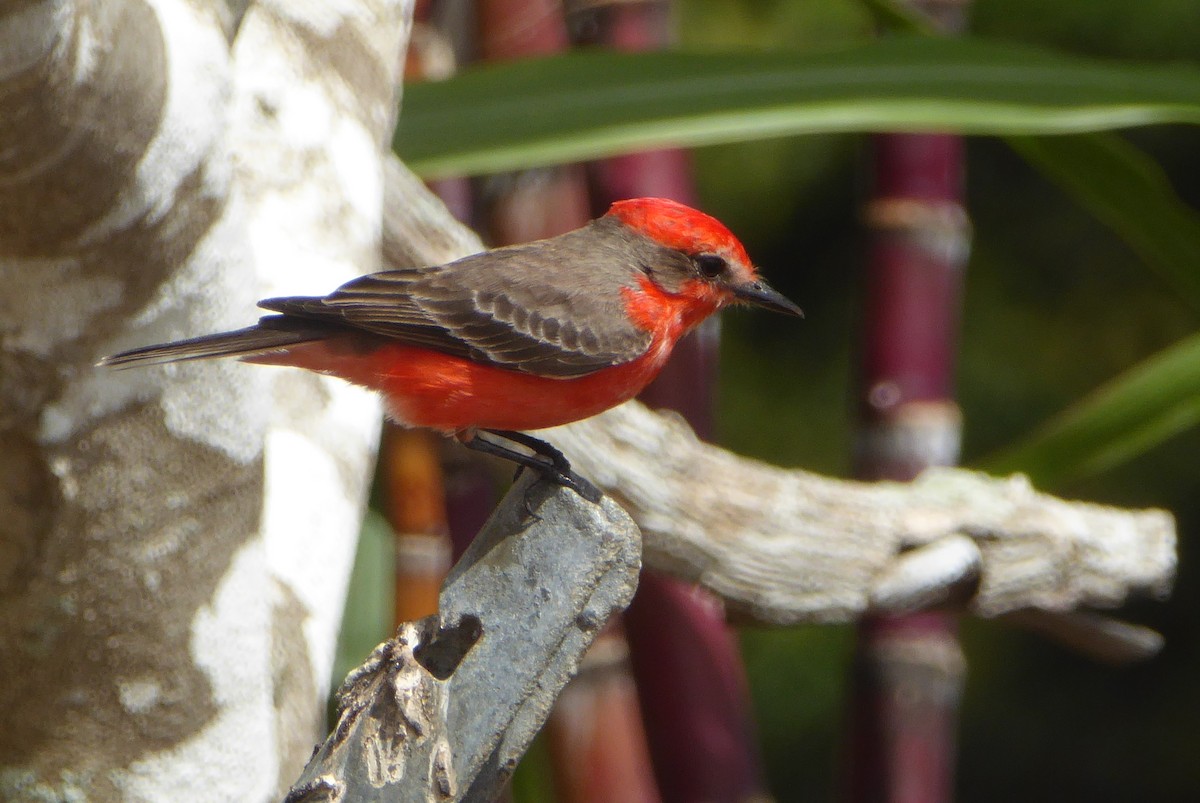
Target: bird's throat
668	316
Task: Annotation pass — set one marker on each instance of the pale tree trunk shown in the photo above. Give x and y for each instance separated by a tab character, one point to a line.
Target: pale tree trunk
164	164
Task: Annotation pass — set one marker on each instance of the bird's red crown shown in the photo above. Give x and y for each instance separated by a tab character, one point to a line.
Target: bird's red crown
680	227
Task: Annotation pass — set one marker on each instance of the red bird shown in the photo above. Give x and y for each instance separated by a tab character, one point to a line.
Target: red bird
524	337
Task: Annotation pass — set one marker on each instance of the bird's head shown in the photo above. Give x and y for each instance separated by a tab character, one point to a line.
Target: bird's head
715	271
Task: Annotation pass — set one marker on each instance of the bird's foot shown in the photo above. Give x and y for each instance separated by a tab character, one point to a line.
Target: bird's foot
547	461
578	484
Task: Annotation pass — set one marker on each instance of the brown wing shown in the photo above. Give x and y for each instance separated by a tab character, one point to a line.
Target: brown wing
552	308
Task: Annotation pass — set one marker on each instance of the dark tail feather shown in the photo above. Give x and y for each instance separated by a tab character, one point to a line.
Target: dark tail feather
272	333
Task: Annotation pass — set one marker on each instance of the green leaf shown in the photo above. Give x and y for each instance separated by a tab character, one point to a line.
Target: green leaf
1139	409
898	17
595	103
1127	191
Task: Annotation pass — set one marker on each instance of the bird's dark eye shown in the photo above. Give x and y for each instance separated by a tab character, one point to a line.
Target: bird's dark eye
710	265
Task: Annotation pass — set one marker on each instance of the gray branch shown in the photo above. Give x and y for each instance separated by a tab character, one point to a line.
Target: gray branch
783	546
444	710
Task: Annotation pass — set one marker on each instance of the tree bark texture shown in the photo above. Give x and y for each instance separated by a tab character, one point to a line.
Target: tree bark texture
446	709
168	603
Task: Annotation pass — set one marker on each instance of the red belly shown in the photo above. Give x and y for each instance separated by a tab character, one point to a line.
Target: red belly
429	389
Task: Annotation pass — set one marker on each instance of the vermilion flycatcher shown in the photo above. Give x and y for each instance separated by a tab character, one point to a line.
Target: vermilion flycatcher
523	337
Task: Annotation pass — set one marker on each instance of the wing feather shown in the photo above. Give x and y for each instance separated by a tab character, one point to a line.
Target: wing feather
552	308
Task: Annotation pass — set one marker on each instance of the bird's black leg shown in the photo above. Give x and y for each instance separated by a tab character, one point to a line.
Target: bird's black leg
545	460
536	445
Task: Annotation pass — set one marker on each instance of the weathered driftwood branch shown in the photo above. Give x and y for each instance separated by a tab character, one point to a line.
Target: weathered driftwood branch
444	710
785	546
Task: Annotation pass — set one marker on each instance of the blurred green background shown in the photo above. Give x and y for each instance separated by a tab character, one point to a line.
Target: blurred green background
1055	305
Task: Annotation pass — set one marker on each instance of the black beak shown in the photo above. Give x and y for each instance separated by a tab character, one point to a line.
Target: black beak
760	294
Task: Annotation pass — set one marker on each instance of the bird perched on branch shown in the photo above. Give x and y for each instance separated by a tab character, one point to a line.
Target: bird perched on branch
524	337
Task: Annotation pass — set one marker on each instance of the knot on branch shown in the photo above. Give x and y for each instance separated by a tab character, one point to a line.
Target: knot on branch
391	709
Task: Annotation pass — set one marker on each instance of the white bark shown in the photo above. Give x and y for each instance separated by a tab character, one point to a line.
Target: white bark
152	640
314	109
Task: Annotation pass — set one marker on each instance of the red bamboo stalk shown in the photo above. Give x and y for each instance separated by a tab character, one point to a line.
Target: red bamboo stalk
531	204
415	507
589	735
909	670
693	691
690	677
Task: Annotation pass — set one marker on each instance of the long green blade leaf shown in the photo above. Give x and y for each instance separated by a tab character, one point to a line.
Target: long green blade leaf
1137	410
1127	191
595	103
895	17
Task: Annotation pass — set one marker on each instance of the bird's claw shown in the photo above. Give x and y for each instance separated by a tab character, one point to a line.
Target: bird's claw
547	461
569	479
